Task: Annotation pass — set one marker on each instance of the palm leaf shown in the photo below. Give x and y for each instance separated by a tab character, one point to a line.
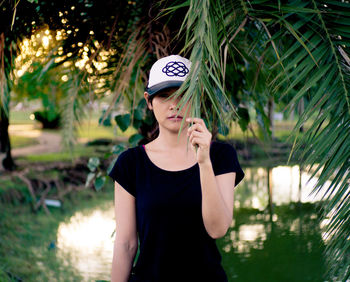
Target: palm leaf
313	40
326	142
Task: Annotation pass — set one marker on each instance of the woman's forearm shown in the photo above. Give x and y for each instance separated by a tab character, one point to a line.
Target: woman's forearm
215	214
123	258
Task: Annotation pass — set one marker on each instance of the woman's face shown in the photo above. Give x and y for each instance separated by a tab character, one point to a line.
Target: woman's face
165	109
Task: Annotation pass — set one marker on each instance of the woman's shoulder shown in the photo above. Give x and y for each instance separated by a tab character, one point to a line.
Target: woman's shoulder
129	154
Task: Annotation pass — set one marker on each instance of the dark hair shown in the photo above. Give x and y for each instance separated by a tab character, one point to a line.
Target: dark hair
154	132
150	129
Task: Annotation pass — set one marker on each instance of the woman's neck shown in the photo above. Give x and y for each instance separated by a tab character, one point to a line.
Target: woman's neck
168	140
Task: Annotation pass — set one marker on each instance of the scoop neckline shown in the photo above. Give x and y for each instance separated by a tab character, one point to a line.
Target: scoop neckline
165	170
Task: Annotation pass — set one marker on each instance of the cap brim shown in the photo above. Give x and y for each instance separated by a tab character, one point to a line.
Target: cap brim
163	85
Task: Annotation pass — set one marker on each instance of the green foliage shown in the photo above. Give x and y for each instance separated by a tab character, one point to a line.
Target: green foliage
293	53
43	83
98	179
89	179
244	118
98	175
106	121
134	139
99	182
93	163
244	53
137	120
49	119
123	121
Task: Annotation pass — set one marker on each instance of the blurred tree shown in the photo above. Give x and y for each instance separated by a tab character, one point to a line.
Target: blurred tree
90	32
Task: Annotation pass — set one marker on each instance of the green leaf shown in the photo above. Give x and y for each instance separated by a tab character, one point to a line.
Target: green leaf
134	139
123	121
93	163
99	182
137	124
89	179
117	149
244	118
111	165
138	114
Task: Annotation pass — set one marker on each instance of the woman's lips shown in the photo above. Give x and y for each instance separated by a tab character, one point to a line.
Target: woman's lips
174	118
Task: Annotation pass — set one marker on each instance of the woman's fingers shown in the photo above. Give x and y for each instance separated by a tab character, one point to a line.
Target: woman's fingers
195	120
198	132
195	134
198	138
198	124
196	127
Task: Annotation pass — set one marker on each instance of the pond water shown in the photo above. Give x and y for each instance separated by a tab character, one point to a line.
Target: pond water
275	234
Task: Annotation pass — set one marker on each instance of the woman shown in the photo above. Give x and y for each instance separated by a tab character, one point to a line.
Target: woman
175	200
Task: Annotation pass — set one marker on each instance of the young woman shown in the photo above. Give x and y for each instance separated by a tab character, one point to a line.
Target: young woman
172	201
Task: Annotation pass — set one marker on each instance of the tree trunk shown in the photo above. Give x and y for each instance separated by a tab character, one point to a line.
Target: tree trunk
6	161
271	110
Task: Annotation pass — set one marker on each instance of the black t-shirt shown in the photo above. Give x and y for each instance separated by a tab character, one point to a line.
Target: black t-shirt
173	242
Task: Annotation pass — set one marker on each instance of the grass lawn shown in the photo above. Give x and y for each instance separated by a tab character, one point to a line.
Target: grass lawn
23	117
283	130
20	141
90	130
80	150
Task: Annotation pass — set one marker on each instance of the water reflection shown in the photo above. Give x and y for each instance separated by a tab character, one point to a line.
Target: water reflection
289	248
85	243
278	242
283	184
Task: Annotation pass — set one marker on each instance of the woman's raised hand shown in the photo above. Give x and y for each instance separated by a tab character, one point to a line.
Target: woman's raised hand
201	136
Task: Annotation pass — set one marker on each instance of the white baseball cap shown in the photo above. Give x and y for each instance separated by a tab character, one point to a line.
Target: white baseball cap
170	71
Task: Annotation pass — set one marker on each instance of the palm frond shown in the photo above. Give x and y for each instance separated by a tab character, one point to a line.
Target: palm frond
128	78
205	81
293	49
319	71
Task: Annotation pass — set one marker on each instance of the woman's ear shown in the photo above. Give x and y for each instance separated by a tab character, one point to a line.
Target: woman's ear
149	105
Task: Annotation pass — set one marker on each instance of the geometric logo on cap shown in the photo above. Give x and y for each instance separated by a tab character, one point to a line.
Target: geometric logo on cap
175	69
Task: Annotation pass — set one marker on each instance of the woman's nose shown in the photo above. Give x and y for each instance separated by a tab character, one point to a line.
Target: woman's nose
174	104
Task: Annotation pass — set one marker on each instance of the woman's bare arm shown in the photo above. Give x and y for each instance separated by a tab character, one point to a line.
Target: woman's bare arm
217	191
125	244
217	200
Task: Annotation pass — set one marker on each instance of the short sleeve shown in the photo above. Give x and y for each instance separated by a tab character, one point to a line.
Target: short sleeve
225	160
123	171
